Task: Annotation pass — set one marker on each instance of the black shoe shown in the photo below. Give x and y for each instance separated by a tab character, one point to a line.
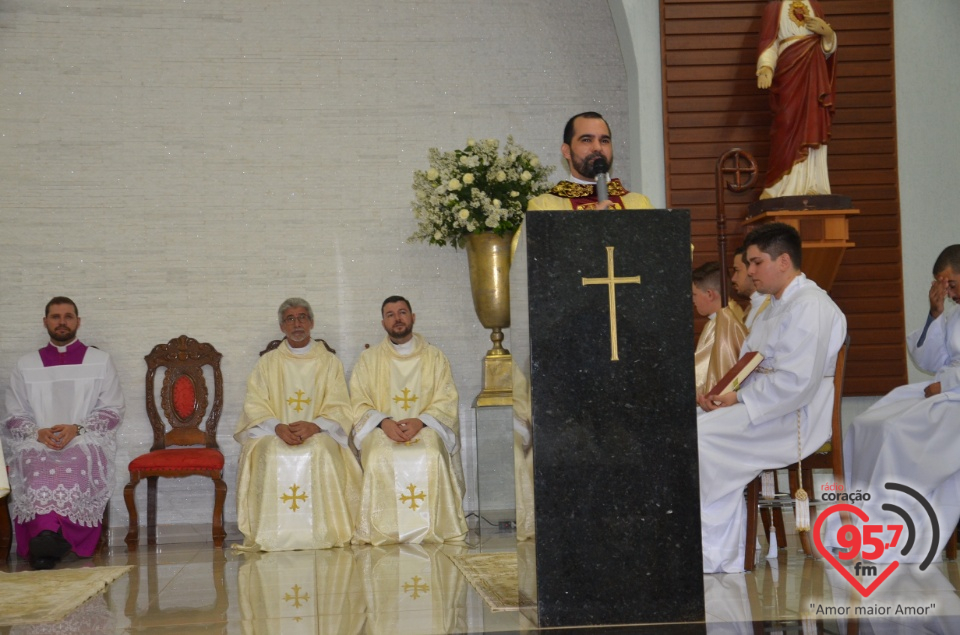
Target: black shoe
40	564
49	544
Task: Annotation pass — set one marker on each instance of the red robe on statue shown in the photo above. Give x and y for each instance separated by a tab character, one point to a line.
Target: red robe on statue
802	95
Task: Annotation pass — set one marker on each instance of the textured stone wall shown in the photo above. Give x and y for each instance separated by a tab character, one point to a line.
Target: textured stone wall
182	167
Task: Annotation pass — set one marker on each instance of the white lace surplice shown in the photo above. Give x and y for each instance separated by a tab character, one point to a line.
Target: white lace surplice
77	481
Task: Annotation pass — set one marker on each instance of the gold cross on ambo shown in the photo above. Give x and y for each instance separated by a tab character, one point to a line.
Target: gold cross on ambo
611	283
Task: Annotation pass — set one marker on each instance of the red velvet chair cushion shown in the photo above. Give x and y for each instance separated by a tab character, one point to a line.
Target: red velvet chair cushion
184	397
179	459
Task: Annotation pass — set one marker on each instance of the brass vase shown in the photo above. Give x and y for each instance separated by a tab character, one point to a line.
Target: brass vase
488	256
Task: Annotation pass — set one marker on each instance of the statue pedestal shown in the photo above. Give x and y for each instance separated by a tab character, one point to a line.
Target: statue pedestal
825	233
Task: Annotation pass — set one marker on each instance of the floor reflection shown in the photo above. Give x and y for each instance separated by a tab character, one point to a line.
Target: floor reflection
418	590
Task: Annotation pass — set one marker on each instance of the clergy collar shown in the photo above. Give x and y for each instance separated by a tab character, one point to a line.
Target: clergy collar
406	348
63	349
72	353
303	350
581	181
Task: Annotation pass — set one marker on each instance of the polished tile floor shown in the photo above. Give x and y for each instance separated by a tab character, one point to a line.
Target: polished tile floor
191	587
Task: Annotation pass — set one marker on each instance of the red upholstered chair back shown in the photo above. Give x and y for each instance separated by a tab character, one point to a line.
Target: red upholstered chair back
185	398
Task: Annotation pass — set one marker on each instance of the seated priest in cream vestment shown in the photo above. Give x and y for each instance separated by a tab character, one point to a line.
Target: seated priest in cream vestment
718	348
298	483
407	431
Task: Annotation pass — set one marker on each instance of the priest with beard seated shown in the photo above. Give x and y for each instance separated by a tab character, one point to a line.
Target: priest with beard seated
406	429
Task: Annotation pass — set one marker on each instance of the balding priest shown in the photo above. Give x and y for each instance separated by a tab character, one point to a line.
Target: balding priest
407	432
588	148
298	483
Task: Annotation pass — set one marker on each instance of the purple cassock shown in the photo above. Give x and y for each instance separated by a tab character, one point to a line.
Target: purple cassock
65	490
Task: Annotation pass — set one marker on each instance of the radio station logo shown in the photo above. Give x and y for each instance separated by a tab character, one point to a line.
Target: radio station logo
869	542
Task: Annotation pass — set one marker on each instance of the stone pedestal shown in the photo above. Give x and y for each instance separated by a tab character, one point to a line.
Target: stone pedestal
613	418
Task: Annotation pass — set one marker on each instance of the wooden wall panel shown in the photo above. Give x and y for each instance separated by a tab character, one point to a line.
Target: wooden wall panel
712	104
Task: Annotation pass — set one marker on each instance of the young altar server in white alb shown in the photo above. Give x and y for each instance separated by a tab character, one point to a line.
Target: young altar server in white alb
298	484
790	395
910	435
407	430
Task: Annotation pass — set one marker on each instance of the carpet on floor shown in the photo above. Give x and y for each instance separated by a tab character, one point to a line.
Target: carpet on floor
494	576
31	597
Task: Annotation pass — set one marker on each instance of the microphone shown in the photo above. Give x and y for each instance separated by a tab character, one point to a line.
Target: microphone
600	168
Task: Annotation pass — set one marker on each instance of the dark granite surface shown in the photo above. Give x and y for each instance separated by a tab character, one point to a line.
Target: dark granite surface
615	446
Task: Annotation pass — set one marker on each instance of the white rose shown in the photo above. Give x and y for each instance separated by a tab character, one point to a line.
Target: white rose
496	203
432	174
437	235
501	176
455	185
514	194
471	142
534	161
464	214
467	178
526	176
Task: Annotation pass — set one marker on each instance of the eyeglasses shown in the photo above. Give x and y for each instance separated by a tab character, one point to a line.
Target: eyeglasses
290	319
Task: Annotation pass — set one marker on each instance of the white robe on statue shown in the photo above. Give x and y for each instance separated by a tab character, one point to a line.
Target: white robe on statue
412	492
799	337
296	496
910	439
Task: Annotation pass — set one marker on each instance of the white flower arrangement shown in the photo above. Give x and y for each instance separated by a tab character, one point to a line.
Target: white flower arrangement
475	190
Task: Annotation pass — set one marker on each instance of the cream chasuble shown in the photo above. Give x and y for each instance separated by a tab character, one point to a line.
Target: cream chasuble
412	492
413	589
303	496
301	593
718	348
523	455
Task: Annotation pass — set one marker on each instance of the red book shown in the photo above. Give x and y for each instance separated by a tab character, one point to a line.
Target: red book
735	376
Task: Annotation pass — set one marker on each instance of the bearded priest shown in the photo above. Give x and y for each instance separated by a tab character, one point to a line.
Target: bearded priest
407	432
588	148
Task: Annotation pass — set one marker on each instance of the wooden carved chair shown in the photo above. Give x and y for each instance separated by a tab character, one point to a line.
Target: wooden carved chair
184	400
829	456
